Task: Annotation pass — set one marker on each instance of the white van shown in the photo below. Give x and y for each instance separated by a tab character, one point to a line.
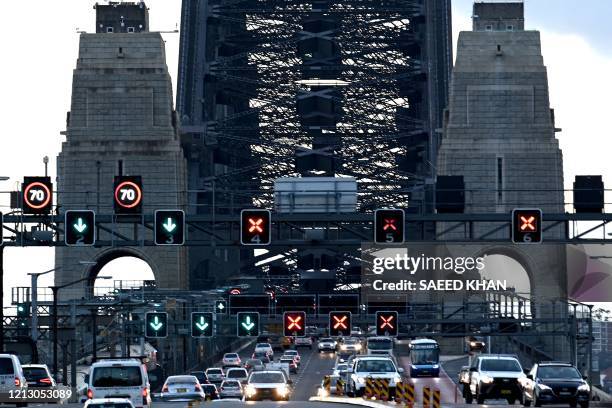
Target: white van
11	375
119	379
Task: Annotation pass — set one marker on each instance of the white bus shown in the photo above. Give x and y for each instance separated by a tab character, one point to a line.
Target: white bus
380	346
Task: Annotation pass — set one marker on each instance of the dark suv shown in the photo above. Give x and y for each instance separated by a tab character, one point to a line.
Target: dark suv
554	383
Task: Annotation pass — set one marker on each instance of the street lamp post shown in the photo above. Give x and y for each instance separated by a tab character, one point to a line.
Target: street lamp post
34	299
55	290
2	178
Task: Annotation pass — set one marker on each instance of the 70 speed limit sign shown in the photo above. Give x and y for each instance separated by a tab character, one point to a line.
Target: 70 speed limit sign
37	195
127	195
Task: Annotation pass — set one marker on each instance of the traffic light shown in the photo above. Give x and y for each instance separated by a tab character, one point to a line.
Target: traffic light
389	226
156	324
128	195
169	227
23	309
202	324
247	324
37	195
527	226
80	228
386	324
339	324
255	227
294	324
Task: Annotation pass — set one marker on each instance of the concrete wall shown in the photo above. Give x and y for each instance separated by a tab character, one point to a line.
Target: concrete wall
122	112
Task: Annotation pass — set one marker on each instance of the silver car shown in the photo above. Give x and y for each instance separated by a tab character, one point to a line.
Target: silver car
182	388
215	375
230	389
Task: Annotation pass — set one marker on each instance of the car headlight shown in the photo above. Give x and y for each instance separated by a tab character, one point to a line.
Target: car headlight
250	391
282	390
361	380
544	387
343	347
584	387
472	344
435	366
485	379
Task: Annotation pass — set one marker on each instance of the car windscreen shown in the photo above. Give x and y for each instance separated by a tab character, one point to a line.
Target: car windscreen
231	355
500	365
183	379
6	366
127	376
424	356
230	384
35	373
262	345
209	388
260	378
341	367
214	371
287	360
558	372
254	362
326	341
291	352
375	366
380	344
236	373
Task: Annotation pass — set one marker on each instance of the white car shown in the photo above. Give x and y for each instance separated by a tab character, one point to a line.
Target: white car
215	375
108	403
270	385
264	348
375	367
340	370
182	388
327	344
231	360
230	389
351	345
303	342
119	378
11	375
239	374
296	356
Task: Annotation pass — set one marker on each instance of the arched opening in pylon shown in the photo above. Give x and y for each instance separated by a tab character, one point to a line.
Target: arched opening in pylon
119	270
499	267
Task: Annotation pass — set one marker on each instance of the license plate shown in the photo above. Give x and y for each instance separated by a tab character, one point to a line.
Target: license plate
565	393
506	392
181	390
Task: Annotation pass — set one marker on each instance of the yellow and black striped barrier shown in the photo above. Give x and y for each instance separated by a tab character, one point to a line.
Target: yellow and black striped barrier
370	391
327	384
383	386
404	393
340	387
426	397
436	399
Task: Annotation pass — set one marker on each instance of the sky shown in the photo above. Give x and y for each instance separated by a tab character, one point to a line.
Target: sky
40	53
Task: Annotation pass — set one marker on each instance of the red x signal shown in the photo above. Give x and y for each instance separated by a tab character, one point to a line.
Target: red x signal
389	224
340	322
255	224
294	322
386	322
528	223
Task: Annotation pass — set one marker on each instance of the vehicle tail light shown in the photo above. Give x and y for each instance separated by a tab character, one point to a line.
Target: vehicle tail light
198	388
17	382
45	380
165	388
90	394
145	392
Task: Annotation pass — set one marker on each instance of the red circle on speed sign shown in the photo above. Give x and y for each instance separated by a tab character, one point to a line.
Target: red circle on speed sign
43	199
128	194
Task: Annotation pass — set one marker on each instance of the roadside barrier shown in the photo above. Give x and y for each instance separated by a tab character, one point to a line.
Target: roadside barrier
404	393
436	399
426	397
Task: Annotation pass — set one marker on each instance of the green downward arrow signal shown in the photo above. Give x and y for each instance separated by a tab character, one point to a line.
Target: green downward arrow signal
248	324
201	325
169	225
80	226
156	324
